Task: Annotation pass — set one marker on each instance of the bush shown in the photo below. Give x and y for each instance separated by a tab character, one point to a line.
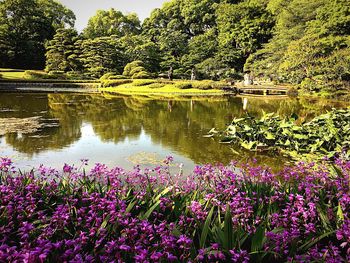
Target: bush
143	82
310	85
136	70
141	75
96	72
128	68
117	77
108	75
292	92
57	74
203	84
183	85
36	74
76	75
156	85
115	82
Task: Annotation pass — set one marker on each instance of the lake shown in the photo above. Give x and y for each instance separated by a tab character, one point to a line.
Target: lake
125	131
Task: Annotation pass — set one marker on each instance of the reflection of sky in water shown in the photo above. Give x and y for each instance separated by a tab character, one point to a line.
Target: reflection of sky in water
90	147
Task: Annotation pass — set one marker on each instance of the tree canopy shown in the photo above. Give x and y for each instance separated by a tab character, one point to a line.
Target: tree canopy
112	22
25	25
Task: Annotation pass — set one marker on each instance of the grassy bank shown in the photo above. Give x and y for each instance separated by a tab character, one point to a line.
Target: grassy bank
163	87
11	74
217	214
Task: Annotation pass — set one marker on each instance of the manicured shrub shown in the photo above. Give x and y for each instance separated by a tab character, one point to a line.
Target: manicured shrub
115	82
143	82
136	70
156	85
107	75
183	85
77	75
117	77
57	74
203	84
142	75
130	66
36	74
96	72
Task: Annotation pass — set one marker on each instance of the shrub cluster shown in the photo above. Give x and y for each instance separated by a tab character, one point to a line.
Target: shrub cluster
183	85
156	85
136	70
36	74
143	82
208	84
115	82
217	214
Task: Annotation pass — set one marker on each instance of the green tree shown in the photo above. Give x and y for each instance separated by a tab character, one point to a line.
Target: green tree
61	51
242	29
136	70
112	22
101	55
25	25
138	47
310	45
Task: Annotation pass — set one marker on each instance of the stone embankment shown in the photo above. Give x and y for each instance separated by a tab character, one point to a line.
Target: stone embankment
90	87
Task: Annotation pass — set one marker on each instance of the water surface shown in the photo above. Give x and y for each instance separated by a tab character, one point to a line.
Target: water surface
123	131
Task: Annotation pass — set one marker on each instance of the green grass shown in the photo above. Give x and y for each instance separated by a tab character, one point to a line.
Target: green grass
163	89
11	73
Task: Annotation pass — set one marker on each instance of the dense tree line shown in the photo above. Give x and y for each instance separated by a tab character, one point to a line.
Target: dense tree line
298	41
25	26
310	46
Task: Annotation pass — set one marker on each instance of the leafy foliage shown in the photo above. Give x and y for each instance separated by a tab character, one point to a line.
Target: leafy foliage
311	42
326	134
25	25
61	53
112	23
136	70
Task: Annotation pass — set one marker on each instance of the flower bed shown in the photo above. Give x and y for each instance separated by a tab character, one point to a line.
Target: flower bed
217	214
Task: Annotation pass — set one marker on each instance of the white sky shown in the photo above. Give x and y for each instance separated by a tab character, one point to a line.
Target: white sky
84	9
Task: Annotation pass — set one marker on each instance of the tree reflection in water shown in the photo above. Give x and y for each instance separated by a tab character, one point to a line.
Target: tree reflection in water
178	124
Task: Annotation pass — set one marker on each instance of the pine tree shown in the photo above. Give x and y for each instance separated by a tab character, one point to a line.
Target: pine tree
61	53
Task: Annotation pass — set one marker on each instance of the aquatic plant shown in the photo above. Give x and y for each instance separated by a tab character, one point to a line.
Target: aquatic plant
326	134
216	214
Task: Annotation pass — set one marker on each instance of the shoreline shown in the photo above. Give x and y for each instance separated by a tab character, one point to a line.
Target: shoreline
55	87
94	87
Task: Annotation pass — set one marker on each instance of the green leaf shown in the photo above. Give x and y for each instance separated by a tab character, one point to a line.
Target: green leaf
130	206
258	239
228	229
248	145
340	214
269	136
206	228
150	211
314	241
